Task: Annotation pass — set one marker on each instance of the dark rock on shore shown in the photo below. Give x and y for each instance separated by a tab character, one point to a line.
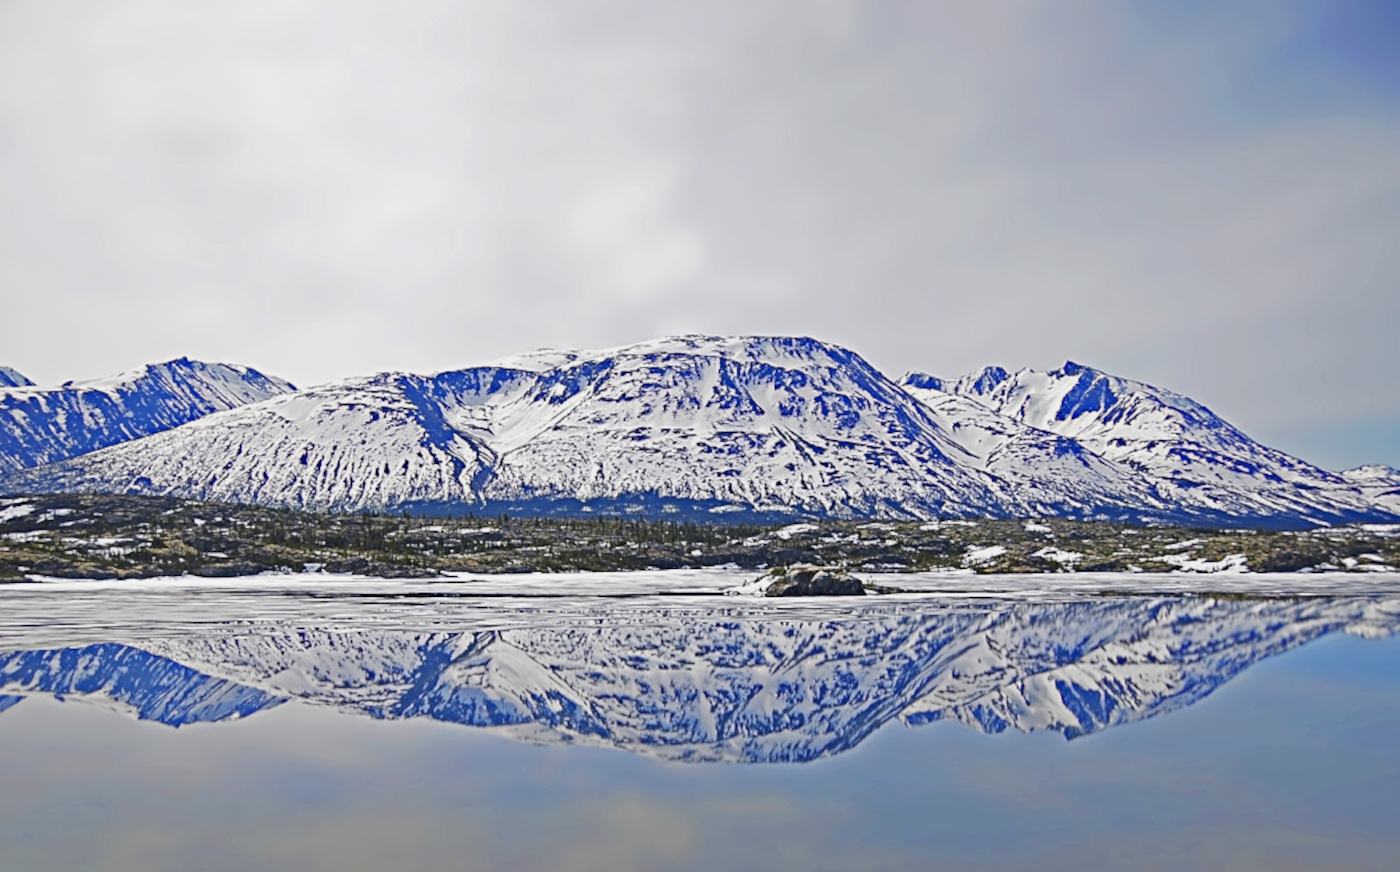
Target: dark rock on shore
807	580
376	569
227	569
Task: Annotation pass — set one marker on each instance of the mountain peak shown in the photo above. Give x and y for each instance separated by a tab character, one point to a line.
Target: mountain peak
923	380
13	378
743	348
1091	393
688	423
988	380
45	425
188	372
1374	472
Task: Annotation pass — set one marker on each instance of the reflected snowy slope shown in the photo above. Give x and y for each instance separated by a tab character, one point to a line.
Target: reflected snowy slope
710	685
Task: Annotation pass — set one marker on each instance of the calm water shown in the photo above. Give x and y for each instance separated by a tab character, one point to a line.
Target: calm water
268	724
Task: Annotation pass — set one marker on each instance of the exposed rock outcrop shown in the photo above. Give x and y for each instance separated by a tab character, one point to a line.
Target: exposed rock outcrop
807	580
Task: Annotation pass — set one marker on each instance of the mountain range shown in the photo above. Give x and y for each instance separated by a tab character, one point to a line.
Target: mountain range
715	686
44	425
714	427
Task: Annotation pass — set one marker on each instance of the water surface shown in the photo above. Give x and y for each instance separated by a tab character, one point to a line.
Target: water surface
590	723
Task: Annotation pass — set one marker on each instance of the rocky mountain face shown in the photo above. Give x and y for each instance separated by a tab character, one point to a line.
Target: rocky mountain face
704	687
741	427
1189	457
45	425
128	679
12	378
1379	484
746	424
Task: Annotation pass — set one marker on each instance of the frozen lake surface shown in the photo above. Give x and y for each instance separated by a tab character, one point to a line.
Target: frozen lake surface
648	721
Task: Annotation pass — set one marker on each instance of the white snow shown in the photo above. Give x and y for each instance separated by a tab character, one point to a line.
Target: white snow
9	513
976	556
756	587
791	530
1058	555
1230	563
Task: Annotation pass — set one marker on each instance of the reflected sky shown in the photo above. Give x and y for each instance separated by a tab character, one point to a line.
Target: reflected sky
1226	733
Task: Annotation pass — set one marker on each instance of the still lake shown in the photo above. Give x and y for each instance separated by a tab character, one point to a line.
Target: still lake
644	721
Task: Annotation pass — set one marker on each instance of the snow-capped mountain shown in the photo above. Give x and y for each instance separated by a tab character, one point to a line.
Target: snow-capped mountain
1040	470
1380	484
757	424
699	686
44	425
128	679
13	378
1189	458
701	425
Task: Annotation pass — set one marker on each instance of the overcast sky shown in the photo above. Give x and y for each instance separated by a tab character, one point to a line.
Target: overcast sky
1206	200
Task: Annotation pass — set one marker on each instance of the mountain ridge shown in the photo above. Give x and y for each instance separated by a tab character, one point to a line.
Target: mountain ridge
13	378
41	425
1194	457
700	687
712	426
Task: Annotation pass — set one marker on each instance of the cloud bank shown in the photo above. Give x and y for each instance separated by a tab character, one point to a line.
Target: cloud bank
1204	199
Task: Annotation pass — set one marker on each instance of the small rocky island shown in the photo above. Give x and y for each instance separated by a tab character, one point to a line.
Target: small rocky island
806	580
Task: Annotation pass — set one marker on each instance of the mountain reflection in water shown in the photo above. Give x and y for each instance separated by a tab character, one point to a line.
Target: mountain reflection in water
698	685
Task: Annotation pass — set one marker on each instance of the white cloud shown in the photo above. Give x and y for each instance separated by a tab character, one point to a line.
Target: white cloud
327	188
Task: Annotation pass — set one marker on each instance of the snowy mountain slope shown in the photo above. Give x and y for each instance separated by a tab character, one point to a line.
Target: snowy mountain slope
354	445
12	378
44	425
767	423
1040	470
128	679
1379	484
1189	457
766	426
759	423
704	687
1078	673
